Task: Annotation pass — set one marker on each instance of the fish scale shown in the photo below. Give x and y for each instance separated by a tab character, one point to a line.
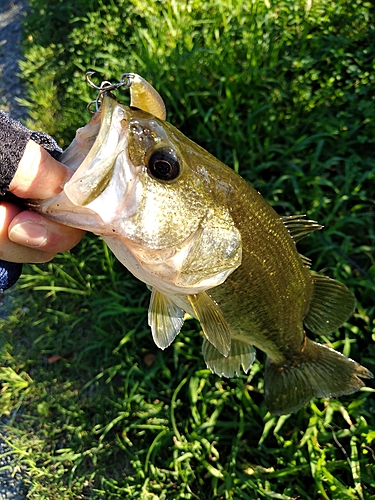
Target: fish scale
264	279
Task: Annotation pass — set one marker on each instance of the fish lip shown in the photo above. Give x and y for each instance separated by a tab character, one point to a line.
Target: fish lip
81	202
95	172
60	209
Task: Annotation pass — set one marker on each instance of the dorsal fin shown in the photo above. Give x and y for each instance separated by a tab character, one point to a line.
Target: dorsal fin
331	305
212	321
165	319
306	261
299	227
240	354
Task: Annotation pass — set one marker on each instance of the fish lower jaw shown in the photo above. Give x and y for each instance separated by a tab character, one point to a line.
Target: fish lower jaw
68	214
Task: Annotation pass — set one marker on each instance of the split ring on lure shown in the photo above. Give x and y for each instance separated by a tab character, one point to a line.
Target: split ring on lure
142	94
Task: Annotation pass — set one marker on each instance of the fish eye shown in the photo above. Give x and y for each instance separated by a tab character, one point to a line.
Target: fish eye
163	165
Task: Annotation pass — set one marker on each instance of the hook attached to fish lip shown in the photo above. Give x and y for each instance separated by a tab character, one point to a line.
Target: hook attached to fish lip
106	87
142	94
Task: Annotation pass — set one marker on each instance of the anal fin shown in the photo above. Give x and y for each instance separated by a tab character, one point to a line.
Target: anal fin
331	305
212	321
240	355
165	319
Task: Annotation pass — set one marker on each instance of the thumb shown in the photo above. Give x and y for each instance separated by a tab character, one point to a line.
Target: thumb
38	174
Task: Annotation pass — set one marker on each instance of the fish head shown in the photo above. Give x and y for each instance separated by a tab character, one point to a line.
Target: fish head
150	193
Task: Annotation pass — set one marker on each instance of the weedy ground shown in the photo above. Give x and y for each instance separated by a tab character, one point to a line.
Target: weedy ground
283	91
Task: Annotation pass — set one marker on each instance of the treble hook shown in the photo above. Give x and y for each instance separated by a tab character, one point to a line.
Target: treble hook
105	87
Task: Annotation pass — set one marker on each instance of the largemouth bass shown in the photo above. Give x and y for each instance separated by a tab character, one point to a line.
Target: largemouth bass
207	244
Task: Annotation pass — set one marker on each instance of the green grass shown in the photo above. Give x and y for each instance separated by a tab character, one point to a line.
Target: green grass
284	94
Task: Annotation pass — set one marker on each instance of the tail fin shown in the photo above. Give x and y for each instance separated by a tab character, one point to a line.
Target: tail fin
317	372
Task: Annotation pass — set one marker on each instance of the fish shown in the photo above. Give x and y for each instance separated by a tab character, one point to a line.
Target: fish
208	245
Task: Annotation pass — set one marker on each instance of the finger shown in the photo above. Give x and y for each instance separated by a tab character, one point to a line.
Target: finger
38	174
35	231
12	251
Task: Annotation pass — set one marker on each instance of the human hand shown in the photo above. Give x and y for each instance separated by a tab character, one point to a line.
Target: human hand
26	236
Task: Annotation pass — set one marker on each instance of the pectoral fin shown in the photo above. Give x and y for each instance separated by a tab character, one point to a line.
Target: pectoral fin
331	305
165	319
240	354
212	321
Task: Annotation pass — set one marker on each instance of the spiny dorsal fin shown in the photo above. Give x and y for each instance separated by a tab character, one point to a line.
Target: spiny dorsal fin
240	354
165	319
331	305
299	227
212	321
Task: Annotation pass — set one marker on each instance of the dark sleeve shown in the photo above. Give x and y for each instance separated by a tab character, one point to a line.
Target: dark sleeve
9	274
13	139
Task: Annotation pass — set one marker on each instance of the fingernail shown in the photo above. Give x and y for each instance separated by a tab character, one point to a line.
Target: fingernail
28	234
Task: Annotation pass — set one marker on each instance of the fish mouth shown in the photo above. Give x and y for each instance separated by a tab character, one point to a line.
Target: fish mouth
106	139
96	170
